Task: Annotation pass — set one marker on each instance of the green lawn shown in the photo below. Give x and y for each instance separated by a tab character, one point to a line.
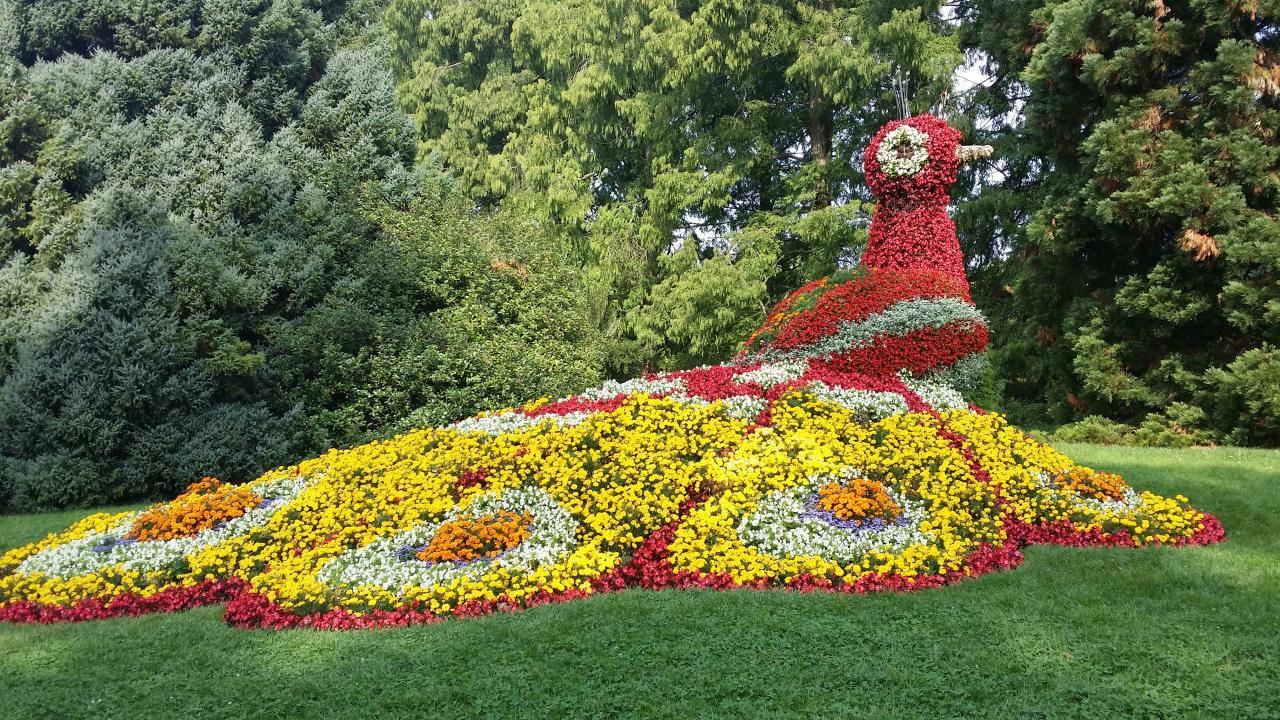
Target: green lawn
1158	633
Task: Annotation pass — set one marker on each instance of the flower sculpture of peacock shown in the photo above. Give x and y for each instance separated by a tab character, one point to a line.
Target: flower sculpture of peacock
835	453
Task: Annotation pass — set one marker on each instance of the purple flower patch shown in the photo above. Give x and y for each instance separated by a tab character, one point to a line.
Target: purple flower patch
111	543
813	512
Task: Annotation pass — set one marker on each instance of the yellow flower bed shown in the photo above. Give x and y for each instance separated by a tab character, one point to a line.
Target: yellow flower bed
654	491
1024	472
812	439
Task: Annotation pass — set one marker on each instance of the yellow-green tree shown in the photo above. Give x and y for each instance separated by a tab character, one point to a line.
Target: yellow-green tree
702	156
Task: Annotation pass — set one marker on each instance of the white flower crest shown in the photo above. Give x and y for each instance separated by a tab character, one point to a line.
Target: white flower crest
902	151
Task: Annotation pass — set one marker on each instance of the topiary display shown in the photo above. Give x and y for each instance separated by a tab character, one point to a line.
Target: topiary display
836	453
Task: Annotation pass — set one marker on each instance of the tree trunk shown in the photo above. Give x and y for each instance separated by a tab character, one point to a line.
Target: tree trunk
820	122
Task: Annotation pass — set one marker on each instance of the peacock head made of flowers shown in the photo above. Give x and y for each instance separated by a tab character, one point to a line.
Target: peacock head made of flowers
906	308
910	167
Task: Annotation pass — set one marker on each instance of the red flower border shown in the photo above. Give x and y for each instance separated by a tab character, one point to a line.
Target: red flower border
126	604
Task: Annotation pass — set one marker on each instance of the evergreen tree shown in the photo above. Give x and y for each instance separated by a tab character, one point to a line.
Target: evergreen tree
1145	172
701	156
205	261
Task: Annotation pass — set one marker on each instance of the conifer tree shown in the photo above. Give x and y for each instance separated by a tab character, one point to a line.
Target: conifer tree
1139	210
216	253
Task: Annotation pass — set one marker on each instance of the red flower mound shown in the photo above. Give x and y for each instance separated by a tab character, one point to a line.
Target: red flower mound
572	405
865	294
918	352
716	382
912	254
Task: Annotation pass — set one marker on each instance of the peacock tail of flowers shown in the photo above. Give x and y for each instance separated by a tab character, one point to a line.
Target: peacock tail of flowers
835	453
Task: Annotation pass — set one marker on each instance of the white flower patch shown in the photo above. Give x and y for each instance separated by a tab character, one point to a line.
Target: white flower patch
779	526
964	374
613	388
513	421
1129	501
902	151
744	407
937	395
770	375
867	405
107	549
381	563
898	319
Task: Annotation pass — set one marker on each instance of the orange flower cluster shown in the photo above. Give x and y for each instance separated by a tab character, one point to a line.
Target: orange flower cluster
1083	481
858	500
204	504
467	538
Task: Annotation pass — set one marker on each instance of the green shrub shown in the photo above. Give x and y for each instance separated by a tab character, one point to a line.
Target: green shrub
1244	400
1094	429
1042	437
1178	425
216	254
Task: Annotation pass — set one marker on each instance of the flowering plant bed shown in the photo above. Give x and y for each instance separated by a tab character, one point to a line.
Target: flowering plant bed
835	453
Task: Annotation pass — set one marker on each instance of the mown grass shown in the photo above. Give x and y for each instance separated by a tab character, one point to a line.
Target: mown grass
1151	633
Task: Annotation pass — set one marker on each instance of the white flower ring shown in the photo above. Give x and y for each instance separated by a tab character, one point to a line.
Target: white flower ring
902	151
785	524
99	550
391	562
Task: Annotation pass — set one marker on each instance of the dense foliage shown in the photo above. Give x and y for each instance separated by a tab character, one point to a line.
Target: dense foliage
217	253
726	131
222	243
1138	211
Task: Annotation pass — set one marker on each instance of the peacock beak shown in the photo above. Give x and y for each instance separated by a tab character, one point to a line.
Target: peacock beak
969	153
